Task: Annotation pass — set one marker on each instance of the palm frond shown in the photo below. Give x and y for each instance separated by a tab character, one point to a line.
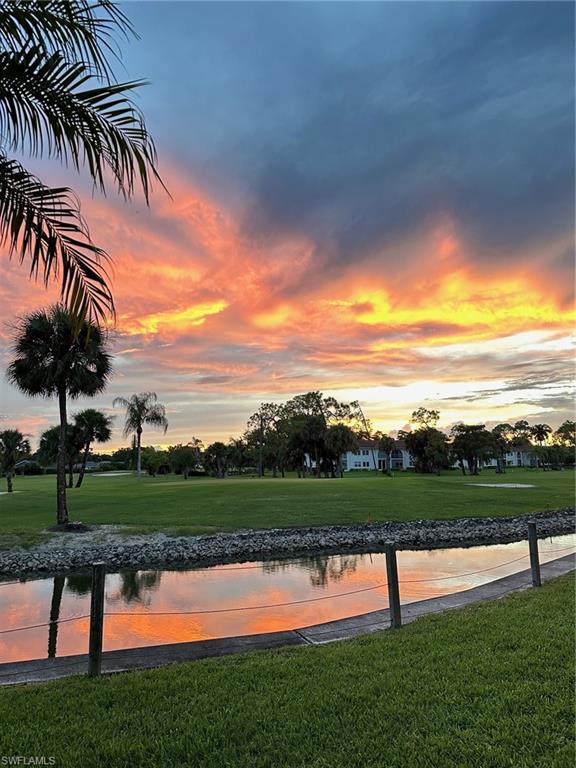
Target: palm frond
44	225
45	106
156	416
83	30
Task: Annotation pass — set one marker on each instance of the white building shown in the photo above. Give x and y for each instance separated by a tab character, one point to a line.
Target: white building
368	457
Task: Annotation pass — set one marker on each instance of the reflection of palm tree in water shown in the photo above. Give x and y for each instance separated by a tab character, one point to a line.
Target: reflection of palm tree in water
79	583
57	590
322	568
132	584
135	584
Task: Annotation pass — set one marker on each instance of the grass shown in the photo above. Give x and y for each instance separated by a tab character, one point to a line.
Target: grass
484	687
201	505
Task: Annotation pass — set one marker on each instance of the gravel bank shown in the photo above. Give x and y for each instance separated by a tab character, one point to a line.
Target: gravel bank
68	552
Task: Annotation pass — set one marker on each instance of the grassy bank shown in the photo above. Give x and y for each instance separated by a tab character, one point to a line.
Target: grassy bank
205	505
488	686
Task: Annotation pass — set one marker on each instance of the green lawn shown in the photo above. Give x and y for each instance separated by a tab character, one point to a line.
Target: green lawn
204	505
484	687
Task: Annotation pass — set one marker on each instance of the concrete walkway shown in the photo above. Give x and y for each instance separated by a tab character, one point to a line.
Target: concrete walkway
40	670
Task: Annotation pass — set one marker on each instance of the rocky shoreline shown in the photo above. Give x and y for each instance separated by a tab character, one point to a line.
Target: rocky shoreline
76	551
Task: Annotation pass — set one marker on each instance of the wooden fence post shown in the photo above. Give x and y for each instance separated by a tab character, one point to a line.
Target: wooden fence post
534	559
96	619
393	588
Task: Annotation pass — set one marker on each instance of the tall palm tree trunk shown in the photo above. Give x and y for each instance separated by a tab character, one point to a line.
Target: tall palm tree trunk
83	467
62	509
139	452
9	480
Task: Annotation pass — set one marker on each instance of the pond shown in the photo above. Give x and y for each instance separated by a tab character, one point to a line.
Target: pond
168	606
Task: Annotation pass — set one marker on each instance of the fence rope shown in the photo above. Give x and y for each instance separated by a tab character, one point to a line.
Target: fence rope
461	575
244	607
45	624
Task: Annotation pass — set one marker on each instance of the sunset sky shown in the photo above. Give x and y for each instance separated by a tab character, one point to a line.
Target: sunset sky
371	199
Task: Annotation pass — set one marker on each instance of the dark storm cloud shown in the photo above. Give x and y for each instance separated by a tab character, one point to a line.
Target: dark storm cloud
357	123
478	124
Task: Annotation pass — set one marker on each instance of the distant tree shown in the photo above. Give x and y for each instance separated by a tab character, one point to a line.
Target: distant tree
522	433
503	435
216	459
386	445
93	426
541	433
424	418
184	458
142	409
123	456
474	444
74	448
566	434
261	428
154	461
428	448
339	440
13	448
240	454
48	446
55	356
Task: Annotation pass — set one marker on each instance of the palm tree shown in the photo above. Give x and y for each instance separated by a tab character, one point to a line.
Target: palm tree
216	458
142	409
59	98
13	447
540	432
50	441
94	426
54	356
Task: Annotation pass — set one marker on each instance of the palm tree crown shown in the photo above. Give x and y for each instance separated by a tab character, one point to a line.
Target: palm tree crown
95	425
13	447
53	355
58	97
142	409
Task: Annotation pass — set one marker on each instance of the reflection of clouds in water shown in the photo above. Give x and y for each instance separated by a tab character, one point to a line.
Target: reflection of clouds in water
142	592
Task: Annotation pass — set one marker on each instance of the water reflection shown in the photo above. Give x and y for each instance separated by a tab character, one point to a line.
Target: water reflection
223	600
321	568
79	583
56	602
136	587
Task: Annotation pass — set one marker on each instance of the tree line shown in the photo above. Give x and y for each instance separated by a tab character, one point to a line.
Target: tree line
55	357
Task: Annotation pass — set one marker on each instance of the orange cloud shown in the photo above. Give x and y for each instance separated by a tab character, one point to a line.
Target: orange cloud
206	308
